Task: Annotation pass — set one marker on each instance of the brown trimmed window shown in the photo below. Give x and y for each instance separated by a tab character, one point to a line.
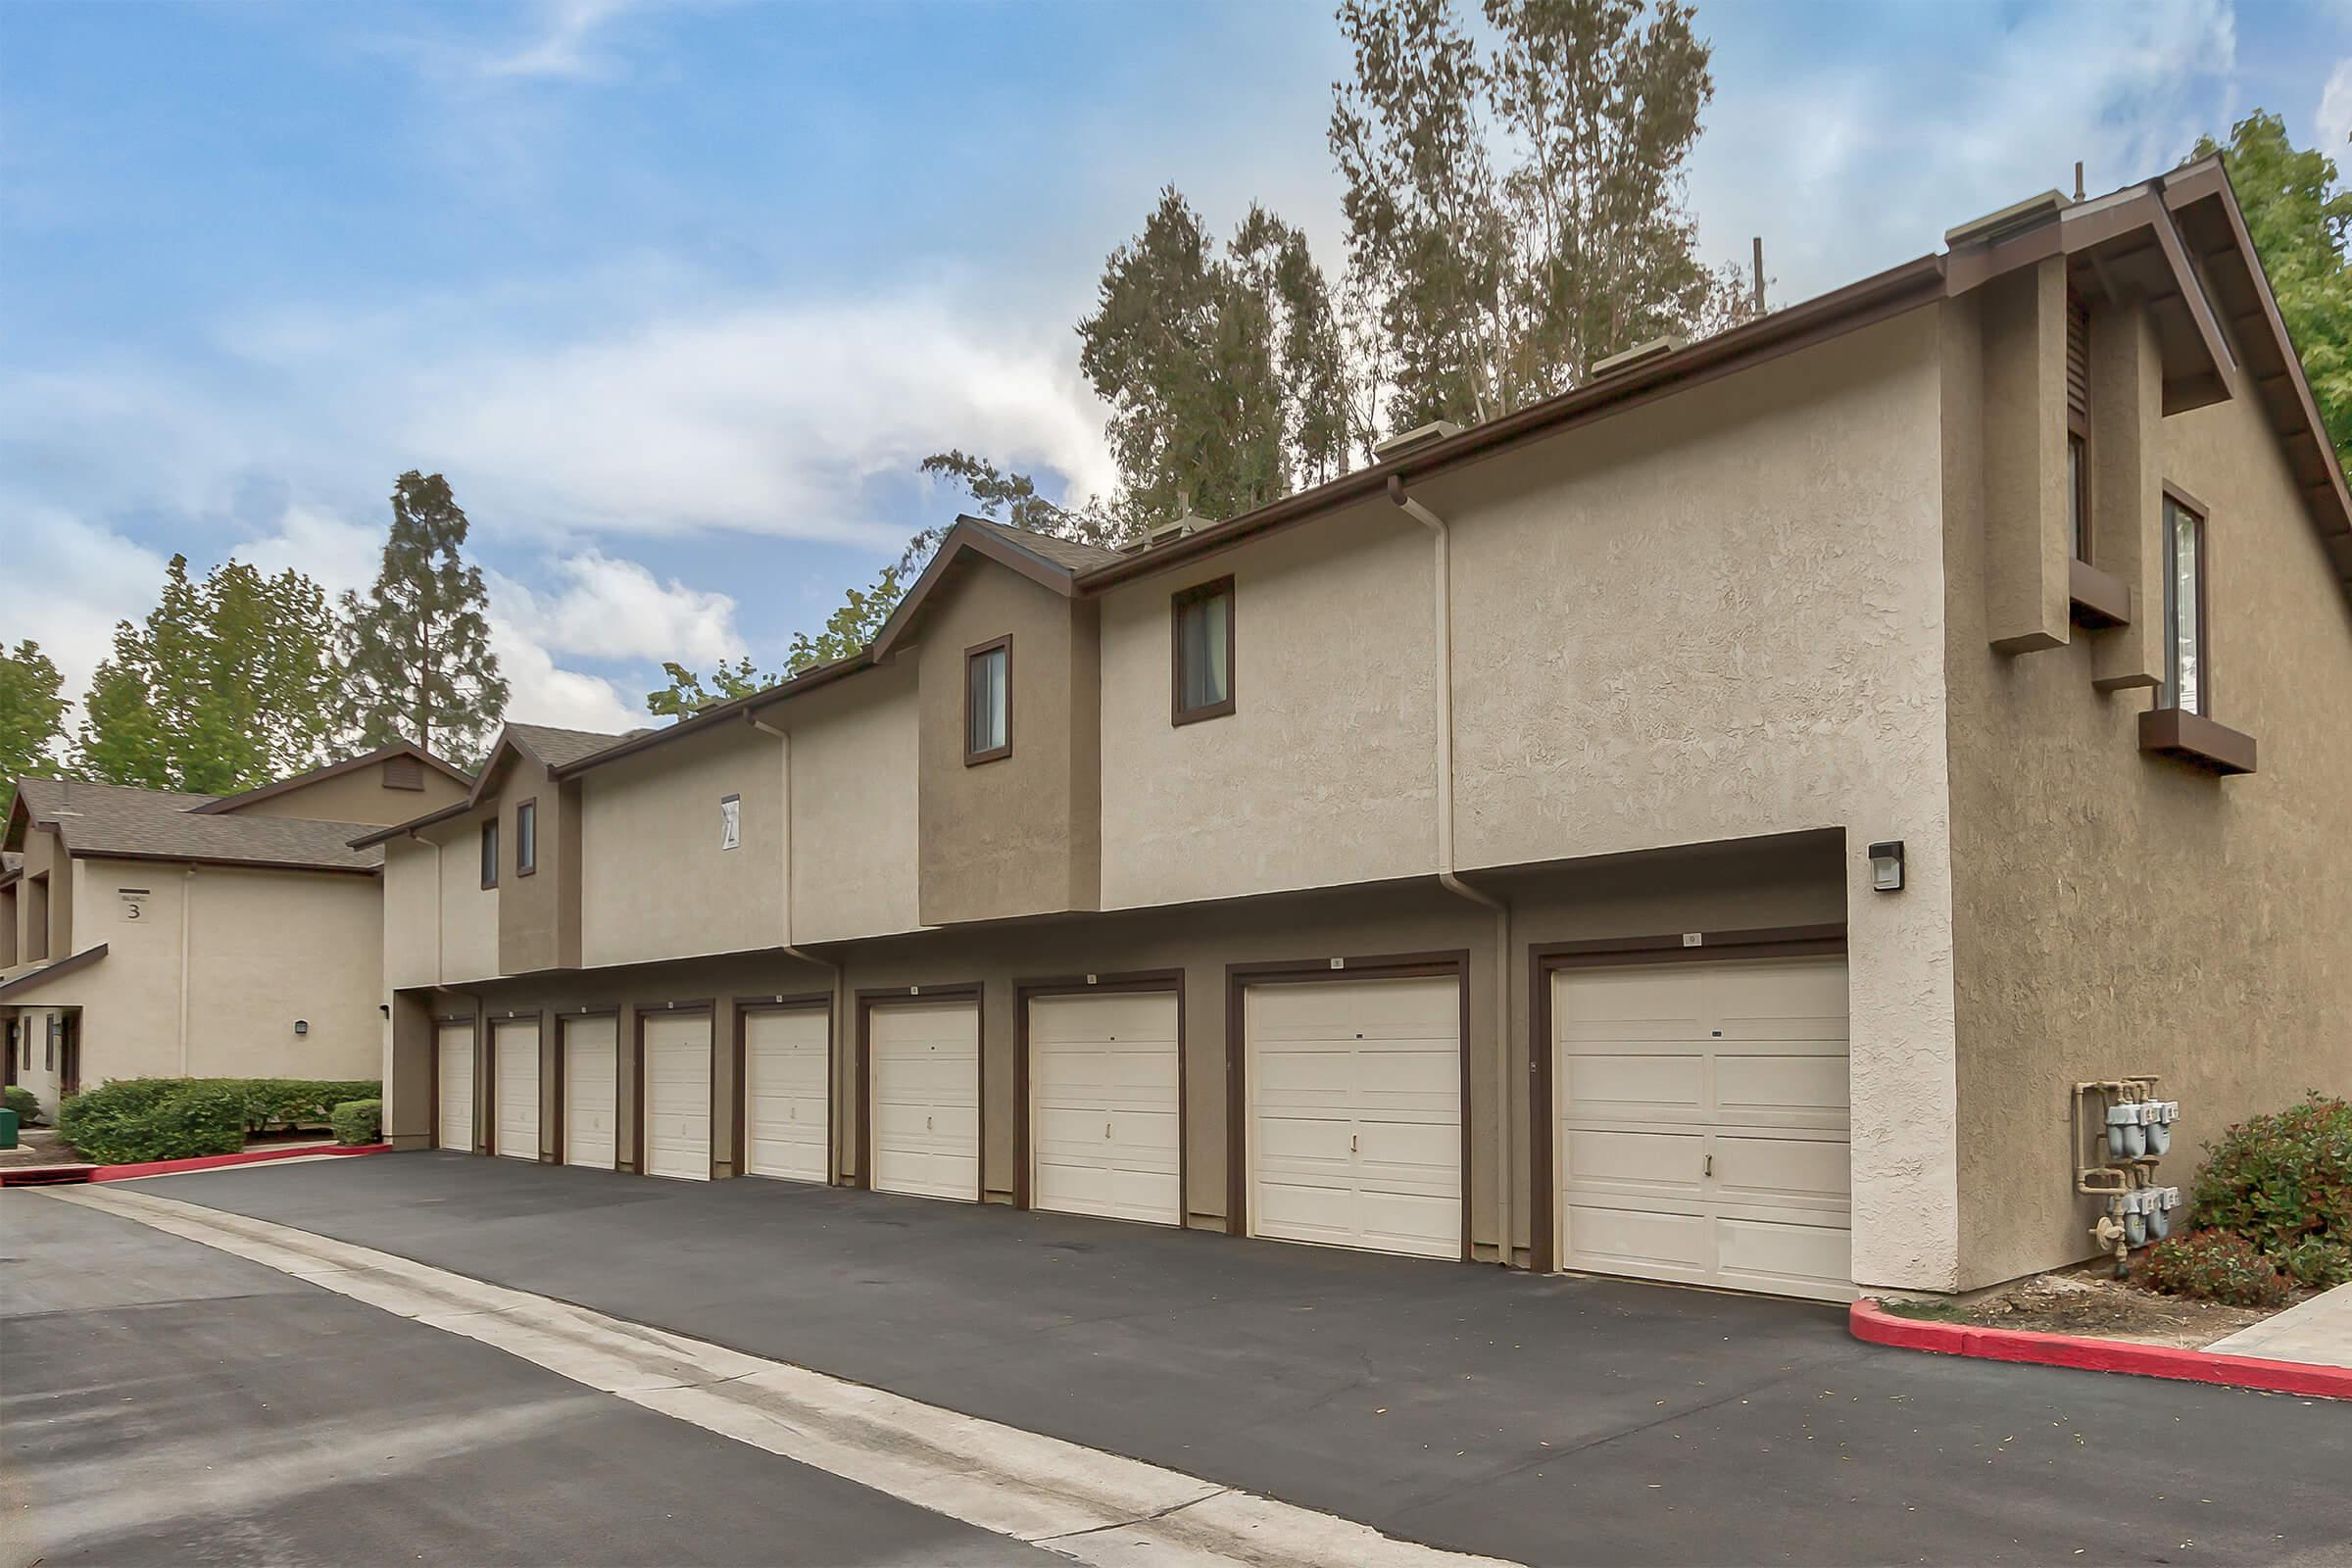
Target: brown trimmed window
527	838
1201	637
2077	431
490	853
988	701
2188	674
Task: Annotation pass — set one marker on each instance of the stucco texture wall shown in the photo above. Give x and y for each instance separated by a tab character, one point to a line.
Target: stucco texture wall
1324	774
856	805
412	888
2121	913
361	796
654	881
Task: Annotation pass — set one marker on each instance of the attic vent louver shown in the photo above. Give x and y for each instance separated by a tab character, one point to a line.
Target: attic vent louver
1639	354
1413	440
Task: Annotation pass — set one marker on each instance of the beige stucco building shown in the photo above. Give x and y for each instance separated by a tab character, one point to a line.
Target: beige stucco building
145	933
1473	857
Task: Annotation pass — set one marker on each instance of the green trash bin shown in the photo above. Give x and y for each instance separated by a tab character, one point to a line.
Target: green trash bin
8	1128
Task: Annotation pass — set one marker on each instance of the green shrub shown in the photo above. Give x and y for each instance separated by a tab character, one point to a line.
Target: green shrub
154	1118
358	1121
2284	1183
19	1100
2215	1266
282	1103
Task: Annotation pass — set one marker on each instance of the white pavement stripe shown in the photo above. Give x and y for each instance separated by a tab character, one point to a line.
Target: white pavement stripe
1098	1508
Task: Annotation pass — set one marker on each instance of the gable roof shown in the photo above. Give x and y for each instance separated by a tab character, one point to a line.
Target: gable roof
382	754
1053	563
125	823
553	747
547	744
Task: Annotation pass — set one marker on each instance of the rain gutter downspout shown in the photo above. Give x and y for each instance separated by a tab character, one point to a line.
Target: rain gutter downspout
1441	580
840	1002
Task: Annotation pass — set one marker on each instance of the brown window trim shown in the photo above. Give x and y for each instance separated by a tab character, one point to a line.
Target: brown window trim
2196	740
2078	428
1178	603
2097	598
530	867
487	850
2167	698
972	759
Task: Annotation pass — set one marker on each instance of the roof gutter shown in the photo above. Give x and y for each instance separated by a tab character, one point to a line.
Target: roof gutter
1441	581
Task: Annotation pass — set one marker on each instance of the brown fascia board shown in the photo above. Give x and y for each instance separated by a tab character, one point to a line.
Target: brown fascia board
222	861
736	710
969	534
65	965
382	754
384	835
1857	305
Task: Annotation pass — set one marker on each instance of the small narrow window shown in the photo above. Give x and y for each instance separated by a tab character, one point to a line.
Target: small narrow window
1201	626
2188	676
527	838
2078	496
2077	429
730	822
987	702
490	853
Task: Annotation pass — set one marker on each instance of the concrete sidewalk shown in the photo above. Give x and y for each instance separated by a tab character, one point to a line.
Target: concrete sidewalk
2316	1332
1541	1419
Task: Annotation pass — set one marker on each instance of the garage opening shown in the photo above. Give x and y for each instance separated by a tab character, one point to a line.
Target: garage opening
515	1064
923	1094
1355	1118
1103	1129
453	1087
591	1091
787	1093
1702	1123
674	1125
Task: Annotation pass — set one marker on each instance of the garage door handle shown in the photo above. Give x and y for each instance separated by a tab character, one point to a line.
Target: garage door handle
1106	1129
1351	1142
926	1124
1710	1170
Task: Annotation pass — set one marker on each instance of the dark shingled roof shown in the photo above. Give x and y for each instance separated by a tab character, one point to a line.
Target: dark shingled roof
557	748
162	825
1068	553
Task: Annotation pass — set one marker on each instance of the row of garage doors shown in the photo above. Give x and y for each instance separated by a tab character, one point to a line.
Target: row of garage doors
1699	1131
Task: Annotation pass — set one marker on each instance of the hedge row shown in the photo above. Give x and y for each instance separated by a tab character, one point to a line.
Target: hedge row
132	1119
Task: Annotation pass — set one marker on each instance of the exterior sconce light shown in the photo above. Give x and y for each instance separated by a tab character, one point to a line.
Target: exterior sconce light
1886	866
302	1027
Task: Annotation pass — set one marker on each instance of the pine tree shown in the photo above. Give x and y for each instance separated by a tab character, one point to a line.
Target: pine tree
414	655
33	715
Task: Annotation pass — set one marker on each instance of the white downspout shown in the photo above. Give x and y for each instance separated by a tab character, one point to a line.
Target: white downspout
187	896
1441	580
840	976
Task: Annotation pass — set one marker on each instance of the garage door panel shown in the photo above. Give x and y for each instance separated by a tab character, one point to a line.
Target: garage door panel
454	1092
515	1063
677	1096
1431	1145
591	1091
924	1099
787	1104
1720	1156
1418	1224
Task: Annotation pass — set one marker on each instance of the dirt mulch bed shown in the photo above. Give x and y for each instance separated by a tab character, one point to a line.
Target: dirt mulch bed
2091	1302
38	1145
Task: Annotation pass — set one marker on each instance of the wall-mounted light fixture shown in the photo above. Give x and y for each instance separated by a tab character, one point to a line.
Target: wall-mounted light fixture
384	1007
1886	866
302	1027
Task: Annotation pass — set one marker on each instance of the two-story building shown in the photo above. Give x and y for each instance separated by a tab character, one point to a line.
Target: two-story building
148	933
1701	827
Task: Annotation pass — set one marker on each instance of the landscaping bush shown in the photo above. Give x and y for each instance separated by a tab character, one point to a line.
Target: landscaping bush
2215	1266
154	1118
281	1103
2284	1183
358	1121
19	1100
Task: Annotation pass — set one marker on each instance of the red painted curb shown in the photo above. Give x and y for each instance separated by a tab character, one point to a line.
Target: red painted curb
251	1156
1868	1321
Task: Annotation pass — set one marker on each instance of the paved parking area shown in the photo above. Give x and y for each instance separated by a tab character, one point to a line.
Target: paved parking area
1547	1420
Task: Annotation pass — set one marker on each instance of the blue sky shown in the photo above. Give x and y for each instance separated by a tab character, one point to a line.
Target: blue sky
678	295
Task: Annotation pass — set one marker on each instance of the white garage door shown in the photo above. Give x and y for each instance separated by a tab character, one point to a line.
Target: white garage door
1703	1118
1356	1114
677	1096
1102	1092
787	1103
515	1058
455	1069
926	1099
591	1093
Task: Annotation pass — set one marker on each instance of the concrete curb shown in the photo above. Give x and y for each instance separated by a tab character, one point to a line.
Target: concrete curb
250	1157
1868	1321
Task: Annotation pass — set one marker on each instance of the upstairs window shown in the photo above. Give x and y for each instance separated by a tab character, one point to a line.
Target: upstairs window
1202	634
527	838
987	702
2188	676
490	853
2077	431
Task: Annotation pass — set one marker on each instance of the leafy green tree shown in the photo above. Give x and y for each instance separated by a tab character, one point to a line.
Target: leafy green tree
32	716
686	694
2301	224
413	658
851	626
1515	202
224	686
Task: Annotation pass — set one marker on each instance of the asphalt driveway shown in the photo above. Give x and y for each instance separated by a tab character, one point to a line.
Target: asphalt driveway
1550	1420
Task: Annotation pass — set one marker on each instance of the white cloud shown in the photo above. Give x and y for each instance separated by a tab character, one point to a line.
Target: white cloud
2333	117
611	608
565	48
332	553
540	692
81	580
